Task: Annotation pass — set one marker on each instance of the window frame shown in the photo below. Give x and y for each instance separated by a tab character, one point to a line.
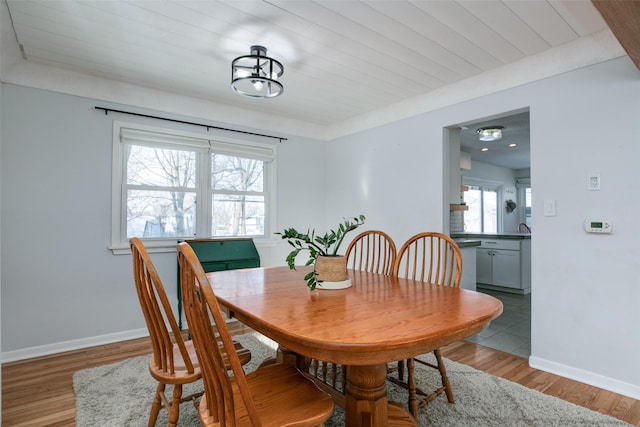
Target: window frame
215	144
488	185
522	185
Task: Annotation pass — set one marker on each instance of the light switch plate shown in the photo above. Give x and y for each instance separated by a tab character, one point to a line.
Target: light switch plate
549	208
594	182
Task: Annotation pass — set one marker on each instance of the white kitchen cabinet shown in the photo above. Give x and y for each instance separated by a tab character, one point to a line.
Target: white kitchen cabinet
506	268
504	264
484	265
468	279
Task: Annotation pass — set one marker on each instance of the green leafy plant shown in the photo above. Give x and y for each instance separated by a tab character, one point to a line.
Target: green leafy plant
320	245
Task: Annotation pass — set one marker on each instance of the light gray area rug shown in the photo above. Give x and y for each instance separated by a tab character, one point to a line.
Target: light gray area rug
120	394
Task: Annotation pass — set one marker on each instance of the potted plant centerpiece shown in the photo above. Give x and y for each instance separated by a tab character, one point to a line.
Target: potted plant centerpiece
323	252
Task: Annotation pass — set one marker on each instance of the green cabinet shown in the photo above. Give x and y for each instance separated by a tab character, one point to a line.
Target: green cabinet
221	254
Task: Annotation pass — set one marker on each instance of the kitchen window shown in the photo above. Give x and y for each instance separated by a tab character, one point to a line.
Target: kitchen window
524	198
170	185
483	201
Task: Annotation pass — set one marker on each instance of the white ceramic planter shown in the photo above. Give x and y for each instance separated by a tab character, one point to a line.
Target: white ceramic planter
344	284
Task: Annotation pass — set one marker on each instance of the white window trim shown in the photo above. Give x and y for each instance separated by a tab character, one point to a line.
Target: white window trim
196	142
522	184
499	186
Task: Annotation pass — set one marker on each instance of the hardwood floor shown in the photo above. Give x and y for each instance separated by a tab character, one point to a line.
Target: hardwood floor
39	392
515	368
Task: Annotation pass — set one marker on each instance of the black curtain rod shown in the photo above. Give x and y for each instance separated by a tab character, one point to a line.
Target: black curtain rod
107	110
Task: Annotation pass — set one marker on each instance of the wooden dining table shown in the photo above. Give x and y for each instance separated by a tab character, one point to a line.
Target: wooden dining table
379	319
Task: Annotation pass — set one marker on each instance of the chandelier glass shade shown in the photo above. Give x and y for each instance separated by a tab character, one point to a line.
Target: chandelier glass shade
491	133
256	75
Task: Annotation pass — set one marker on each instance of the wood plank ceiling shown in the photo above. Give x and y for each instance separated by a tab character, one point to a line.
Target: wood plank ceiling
342	58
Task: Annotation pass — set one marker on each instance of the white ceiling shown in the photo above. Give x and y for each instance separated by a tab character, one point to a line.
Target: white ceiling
516	131
342	58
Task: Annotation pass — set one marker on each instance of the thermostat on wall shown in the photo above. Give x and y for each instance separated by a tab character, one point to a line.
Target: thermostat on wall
598	225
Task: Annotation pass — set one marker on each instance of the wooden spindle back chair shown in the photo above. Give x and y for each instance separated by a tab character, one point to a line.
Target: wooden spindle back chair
174	359
434	258
373	251
430	257
273	395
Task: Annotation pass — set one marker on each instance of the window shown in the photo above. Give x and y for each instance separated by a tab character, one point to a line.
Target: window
524	197
170	185
483	202
527	207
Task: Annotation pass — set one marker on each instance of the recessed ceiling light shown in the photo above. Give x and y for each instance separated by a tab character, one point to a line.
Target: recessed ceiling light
484	149
512	145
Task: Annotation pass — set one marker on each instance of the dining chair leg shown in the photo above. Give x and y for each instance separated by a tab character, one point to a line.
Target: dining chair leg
401	370
174	409
411	383
445	379
157	404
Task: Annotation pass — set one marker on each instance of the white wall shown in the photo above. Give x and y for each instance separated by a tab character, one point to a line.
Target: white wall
61	286
586	288
393	174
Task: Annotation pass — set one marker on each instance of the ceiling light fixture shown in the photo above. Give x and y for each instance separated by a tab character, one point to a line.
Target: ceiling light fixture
490	133
256	75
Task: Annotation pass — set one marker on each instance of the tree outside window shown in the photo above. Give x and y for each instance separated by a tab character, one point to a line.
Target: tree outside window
238	200
175	186
160	192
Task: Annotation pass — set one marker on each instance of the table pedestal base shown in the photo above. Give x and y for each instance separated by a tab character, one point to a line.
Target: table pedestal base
366	396
365	400
366	403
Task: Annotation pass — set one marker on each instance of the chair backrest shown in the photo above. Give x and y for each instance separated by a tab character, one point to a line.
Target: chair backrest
523	228
214	346
372	251
157	312
430	257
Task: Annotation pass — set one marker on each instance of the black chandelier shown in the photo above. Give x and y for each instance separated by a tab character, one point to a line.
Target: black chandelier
256	75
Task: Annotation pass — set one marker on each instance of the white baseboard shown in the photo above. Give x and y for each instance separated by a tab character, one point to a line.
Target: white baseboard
586	377
45	350
60	347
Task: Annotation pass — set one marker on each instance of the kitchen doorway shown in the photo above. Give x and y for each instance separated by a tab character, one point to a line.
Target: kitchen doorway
499	162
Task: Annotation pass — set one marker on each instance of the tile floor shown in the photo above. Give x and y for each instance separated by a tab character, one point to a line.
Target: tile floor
511	332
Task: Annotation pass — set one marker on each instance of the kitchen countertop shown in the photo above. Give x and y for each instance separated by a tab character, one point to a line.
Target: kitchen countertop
471	236
466	243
